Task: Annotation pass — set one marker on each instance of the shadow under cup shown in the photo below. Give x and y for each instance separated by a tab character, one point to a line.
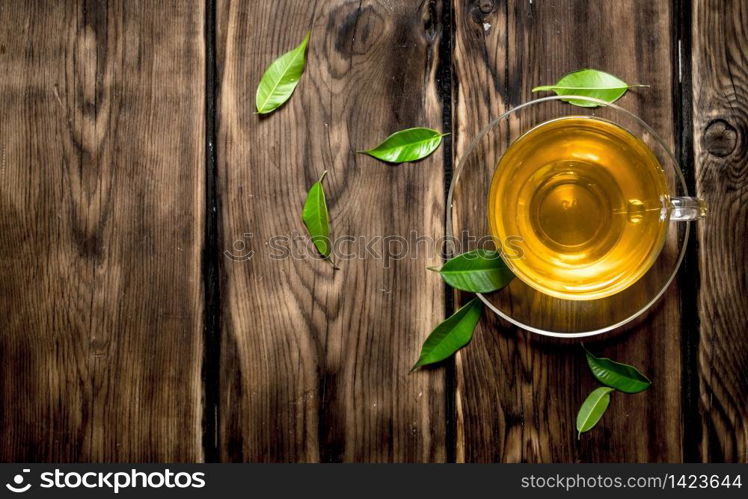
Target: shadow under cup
521	304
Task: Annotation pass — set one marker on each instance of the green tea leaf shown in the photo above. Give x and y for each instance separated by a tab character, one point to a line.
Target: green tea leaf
477	271
280	79
622	377
410	144
589	83
451	335
593	409
316	218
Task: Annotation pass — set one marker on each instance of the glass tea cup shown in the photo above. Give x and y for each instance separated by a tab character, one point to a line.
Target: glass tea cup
522	303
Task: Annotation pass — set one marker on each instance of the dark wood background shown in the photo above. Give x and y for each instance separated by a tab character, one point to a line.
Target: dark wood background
131	161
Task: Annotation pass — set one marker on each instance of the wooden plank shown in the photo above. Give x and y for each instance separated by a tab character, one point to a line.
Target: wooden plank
517	393
720	89
101	119
314	362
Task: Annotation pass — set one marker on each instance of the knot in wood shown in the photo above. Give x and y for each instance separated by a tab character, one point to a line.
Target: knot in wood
479	9
486	6
720	138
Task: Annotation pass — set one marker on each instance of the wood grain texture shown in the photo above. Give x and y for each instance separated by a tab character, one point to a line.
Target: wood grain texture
720	109
103	188
517	393
101	199
314	362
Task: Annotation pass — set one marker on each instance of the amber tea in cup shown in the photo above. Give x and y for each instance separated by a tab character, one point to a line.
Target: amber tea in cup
587	200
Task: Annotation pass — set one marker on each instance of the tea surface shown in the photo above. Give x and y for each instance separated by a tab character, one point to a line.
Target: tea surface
587	198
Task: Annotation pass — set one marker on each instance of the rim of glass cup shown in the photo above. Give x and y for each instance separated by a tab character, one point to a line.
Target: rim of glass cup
678	173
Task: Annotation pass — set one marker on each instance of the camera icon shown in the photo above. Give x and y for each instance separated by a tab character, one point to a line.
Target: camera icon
18	481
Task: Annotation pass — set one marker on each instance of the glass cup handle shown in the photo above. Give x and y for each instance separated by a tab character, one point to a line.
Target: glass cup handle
686	208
